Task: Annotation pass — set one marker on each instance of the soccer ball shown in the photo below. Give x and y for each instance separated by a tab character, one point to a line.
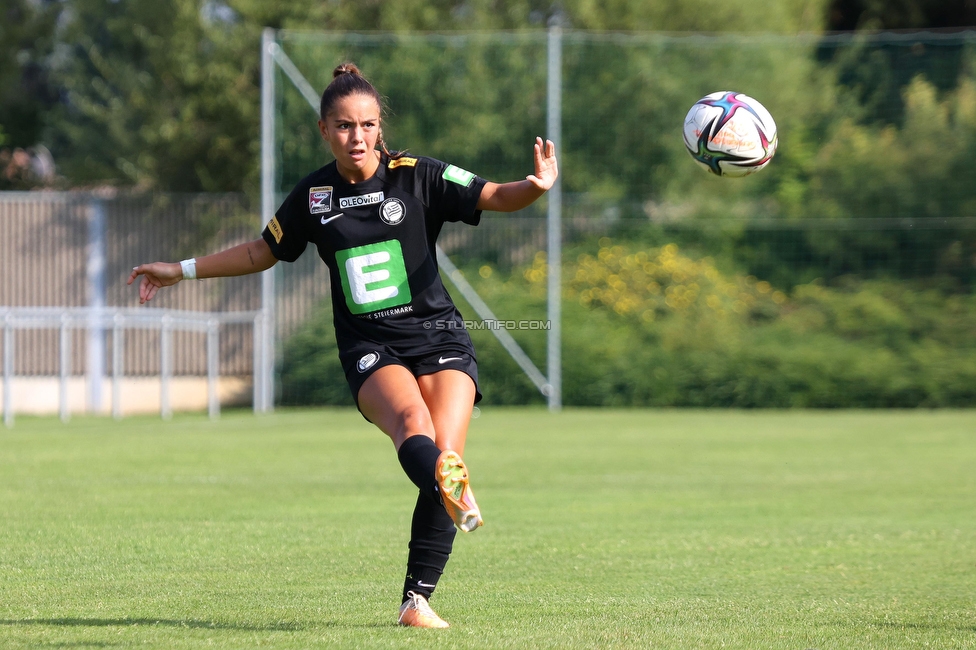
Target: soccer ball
730	134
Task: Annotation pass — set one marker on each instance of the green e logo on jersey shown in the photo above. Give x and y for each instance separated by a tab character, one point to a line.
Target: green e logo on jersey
457	175
373	276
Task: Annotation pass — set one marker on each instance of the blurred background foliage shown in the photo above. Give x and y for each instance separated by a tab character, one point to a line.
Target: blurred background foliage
656	326
688	296
163	94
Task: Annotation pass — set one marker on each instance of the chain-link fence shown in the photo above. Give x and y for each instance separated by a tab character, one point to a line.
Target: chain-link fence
77	249
869	201
73	335
870	183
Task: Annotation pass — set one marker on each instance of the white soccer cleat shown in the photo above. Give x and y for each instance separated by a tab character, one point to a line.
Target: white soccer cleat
452	481
416	612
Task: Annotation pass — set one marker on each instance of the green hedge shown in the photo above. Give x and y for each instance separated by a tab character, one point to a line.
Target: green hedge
654	327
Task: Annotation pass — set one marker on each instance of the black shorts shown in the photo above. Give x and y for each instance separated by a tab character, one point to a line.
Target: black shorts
362	360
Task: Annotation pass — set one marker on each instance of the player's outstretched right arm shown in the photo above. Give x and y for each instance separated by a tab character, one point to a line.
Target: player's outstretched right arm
252	257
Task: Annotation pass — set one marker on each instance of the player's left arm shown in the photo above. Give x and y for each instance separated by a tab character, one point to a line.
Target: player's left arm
509	197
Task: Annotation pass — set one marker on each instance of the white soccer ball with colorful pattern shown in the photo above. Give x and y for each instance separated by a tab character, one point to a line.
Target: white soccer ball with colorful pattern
730	134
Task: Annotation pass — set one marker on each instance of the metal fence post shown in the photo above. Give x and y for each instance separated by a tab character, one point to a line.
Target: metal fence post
213	368
165	366
65	341
8	371
554	128
256	362
268	344
118	359
96	302
265	395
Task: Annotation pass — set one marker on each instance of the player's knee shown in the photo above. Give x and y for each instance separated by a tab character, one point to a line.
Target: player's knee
415	419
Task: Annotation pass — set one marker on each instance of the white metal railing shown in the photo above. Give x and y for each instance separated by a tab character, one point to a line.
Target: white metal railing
117	320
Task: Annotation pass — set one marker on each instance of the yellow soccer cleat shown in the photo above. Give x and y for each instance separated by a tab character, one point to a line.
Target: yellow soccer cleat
452	481
416	612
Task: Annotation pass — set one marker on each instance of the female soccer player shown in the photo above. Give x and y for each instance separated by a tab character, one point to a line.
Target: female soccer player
374	217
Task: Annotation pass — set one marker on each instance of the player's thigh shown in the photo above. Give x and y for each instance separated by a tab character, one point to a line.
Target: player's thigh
449	395
392	400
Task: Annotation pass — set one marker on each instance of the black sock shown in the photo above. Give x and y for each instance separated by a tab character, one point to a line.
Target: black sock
431	540
418	457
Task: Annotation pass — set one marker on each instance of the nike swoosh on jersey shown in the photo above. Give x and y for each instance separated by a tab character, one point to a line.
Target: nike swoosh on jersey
446	359
335	216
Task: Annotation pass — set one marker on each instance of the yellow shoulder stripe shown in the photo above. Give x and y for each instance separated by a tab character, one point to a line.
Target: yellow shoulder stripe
275	228
405	161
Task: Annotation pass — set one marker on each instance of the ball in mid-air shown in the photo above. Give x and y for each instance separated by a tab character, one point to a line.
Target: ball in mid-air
730	134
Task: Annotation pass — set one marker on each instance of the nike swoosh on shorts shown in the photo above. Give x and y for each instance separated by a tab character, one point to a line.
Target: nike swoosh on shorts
446	359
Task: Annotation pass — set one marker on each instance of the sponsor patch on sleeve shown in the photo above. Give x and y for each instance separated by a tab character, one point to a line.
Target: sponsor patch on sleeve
275	229
403	161
458	175
319	199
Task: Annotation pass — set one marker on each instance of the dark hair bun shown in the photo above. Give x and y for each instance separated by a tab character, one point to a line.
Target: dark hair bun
346	68
346	80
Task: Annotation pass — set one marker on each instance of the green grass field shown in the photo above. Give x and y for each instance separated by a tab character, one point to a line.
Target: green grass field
642	529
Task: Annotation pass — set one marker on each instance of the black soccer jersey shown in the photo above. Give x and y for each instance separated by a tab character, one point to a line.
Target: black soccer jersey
377	238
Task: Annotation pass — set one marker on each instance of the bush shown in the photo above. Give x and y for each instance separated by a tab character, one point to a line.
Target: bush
310	371
655	327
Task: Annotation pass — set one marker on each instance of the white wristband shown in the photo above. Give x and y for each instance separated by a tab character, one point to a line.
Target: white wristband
189	268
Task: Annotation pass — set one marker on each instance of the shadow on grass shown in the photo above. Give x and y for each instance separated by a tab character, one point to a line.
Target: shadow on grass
925	626
153	622
188	624
79	644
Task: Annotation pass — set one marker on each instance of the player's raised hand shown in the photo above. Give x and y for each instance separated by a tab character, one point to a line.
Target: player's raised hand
154	277
545	165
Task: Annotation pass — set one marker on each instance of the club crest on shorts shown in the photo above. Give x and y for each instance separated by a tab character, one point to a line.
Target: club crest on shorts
392	211
319	199
368	361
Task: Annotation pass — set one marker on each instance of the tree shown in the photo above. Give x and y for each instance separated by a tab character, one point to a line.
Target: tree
164	93
26	94
878	75
26	38
843	15
159	94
